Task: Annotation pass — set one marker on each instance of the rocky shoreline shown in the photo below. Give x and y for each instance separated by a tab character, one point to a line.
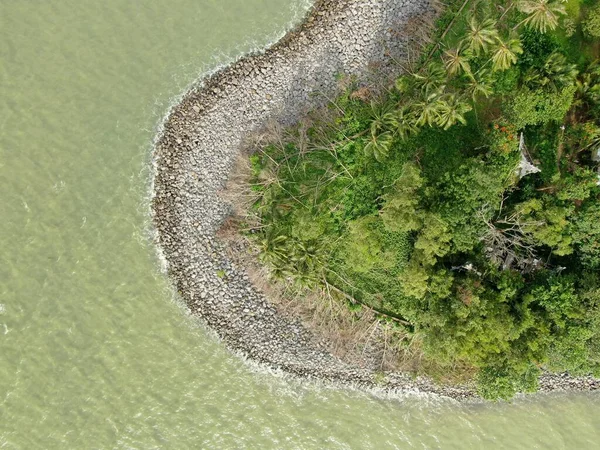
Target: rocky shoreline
195	153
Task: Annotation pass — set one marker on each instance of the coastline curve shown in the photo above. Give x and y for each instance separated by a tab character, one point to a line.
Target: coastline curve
195	152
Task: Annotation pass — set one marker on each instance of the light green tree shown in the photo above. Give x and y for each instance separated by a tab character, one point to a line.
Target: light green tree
457	62
451	111
480	35
413	280
586	236
591	25
539	106
400	212
431	79
548	225
364	246
505	54
542	14
433	240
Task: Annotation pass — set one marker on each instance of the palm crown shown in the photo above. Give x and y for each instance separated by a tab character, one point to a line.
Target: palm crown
480	35
542	14
505	54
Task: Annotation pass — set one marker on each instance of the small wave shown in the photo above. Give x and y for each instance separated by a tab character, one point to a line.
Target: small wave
219	62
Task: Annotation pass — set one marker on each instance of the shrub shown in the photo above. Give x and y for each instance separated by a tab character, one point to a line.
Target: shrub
539	107
591	25
587	236
364	246
504	382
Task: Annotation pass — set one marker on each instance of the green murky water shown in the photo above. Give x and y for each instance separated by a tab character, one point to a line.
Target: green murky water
94	352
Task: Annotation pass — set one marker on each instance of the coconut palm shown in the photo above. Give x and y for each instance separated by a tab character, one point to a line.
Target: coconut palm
480	85
542	14
381	117
379	145
431	79
556	73
428	110
588	87
274	252
559	71
457	62
307	261
505	54
480	35
405	123
452	110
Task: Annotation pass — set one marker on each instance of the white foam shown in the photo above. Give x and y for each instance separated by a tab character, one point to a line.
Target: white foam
220	62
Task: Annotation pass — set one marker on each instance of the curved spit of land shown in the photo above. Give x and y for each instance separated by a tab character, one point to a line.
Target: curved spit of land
194	155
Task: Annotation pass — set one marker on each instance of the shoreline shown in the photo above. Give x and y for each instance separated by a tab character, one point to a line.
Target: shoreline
196	150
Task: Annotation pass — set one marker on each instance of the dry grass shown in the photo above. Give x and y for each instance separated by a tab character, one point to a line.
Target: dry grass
357	336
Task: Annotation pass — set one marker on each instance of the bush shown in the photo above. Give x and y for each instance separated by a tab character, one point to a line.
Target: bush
504	382
364	246
539	107
591	25
587	236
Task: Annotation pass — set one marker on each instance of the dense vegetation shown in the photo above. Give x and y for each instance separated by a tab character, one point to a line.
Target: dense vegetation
461	203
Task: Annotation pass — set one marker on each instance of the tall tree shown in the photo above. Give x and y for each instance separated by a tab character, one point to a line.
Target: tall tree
480	35
542	14
452	111
431	79
505	54
457	62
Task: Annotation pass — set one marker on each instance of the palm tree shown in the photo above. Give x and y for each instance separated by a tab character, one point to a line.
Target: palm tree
556	73
480	35
452	110
457	62
559	71
505	54
588	87
307	259
381	117
431	79
542	14
480	85
274	252
379	145
428	110
405	123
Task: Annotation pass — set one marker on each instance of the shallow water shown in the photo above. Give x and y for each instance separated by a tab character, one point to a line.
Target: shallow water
94	350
